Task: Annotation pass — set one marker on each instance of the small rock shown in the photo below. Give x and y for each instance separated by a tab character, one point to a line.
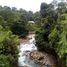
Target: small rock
25	66
47	65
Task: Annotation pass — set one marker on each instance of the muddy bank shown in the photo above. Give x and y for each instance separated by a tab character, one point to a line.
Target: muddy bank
43	58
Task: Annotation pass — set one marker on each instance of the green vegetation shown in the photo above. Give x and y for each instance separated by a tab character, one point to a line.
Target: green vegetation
8	48
50	26
52	36
13	24
15	20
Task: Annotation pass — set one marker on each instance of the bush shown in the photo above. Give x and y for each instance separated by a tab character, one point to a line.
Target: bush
19	29
4	61
8	48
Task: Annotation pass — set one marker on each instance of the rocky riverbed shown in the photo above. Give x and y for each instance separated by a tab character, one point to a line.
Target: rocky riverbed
29	56
44	59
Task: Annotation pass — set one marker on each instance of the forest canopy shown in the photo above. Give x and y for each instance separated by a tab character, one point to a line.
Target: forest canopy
50	27
52	36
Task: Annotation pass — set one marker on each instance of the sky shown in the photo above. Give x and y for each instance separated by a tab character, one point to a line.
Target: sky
29	5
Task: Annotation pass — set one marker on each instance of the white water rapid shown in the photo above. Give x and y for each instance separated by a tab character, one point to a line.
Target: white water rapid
25	49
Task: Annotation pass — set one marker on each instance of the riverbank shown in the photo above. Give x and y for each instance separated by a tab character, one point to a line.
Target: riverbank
43	58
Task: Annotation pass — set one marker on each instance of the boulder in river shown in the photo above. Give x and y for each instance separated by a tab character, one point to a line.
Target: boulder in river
44	59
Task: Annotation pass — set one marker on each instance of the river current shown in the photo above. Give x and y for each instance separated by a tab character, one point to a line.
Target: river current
25	48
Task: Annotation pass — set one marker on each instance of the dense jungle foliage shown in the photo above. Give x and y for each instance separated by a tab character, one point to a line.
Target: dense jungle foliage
8	48
50	26
52	36
13	24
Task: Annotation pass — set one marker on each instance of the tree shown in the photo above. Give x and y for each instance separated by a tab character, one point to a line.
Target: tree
37	17
48	21
52	38
15	20
8	48
61	7
43	9
30	16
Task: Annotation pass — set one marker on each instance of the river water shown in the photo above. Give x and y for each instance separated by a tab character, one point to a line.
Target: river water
25	49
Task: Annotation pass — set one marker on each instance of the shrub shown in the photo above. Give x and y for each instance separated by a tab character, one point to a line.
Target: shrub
8	48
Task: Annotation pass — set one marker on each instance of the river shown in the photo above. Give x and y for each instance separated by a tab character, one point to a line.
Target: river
25	48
